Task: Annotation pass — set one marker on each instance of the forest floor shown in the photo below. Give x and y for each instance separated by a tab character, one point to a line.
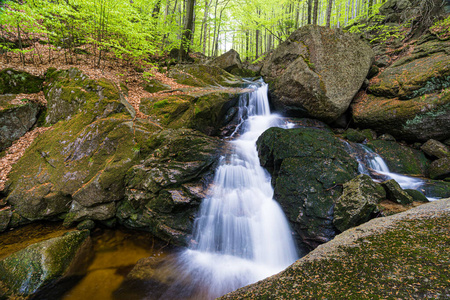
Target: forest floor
115	70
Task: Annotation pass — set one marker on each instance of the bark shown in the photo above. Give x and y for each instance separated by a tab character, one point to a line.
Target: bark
188	30
330	4
316	11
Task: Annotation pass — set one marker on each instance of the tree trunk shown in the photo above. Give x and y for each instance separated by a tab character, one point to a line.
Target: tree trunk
310	3
156	9
330	4
316	11
188	29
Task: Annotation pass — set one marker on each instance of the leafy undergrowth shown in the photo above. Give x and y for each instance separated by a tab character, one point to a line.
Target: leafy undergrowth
410	262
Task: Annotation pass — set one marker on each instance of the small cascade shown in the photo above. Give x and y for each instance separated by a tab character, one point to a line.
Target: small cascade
241	234
372	164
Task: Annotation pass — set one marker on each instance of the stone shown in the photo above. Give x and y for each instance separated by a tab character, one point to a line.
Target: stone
19	82
387	137
357	203
203	76
308	168
86	225
154	86
440	169
354	135
207	111
435	149
228	61
16	120
417	195
316	72
164	192
400	158
34	268
410	99
395	193
5	217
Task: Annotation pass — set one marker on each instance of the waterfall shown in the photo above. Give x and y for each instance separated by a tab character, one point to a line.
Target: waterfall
372	164
241	234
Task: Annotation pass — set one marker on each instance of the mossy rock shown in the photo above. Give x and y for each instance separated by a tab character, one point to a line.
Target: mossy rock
395	193
440	169
417	195
401	159
308	168
70	92
16	120
354	135
164	192
19	82
205	111
203	76
77	168
154	86
28	271
358	202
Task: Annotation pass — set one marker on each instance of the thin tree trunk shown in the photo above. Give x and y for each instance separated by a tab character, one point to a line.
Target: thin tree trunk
310	4
316	11
188	30
330	3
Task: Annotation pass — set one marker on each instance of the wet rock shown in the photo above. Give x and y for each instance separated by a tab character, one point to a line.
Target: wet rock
28	271
86	225
395	193
15	120
316	72
5	217
357	203
164	192
417	195
308	168
440	169
354	135
400	158
435	149
19	82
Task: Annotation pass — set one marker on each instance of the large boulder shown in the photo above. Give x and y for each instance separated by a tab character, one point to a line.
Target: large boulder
18	82
207	111
40	265
76	169
411	98
357	203
395	193
229	61
317	71
15	119
164	192
308	168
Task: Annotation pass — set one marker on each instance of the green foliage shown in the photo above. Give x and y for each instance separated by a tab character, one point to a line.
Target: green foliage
442	29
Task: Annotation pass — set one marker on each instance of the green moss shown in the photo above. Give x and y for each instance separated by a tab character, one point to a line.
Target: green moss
17	82
160	104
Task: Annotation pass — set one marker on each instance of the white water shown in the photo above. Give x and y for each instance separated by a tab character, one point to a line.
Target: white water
241	234
372	162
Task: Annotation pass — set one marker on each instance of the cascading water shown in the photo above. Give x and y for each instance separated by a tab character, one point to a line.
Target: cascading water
372	164
241	234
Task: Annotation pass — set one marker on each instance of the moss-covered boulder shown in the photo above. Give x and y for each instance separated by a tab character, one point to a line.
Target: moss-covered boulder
317	71
395	193
308	168
358	202
15	119
164	192
70	92
154	86
76	169
400	158
228	61
40	265
19	82
203	76
435	149
440	169
411	98
206	110
5	217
